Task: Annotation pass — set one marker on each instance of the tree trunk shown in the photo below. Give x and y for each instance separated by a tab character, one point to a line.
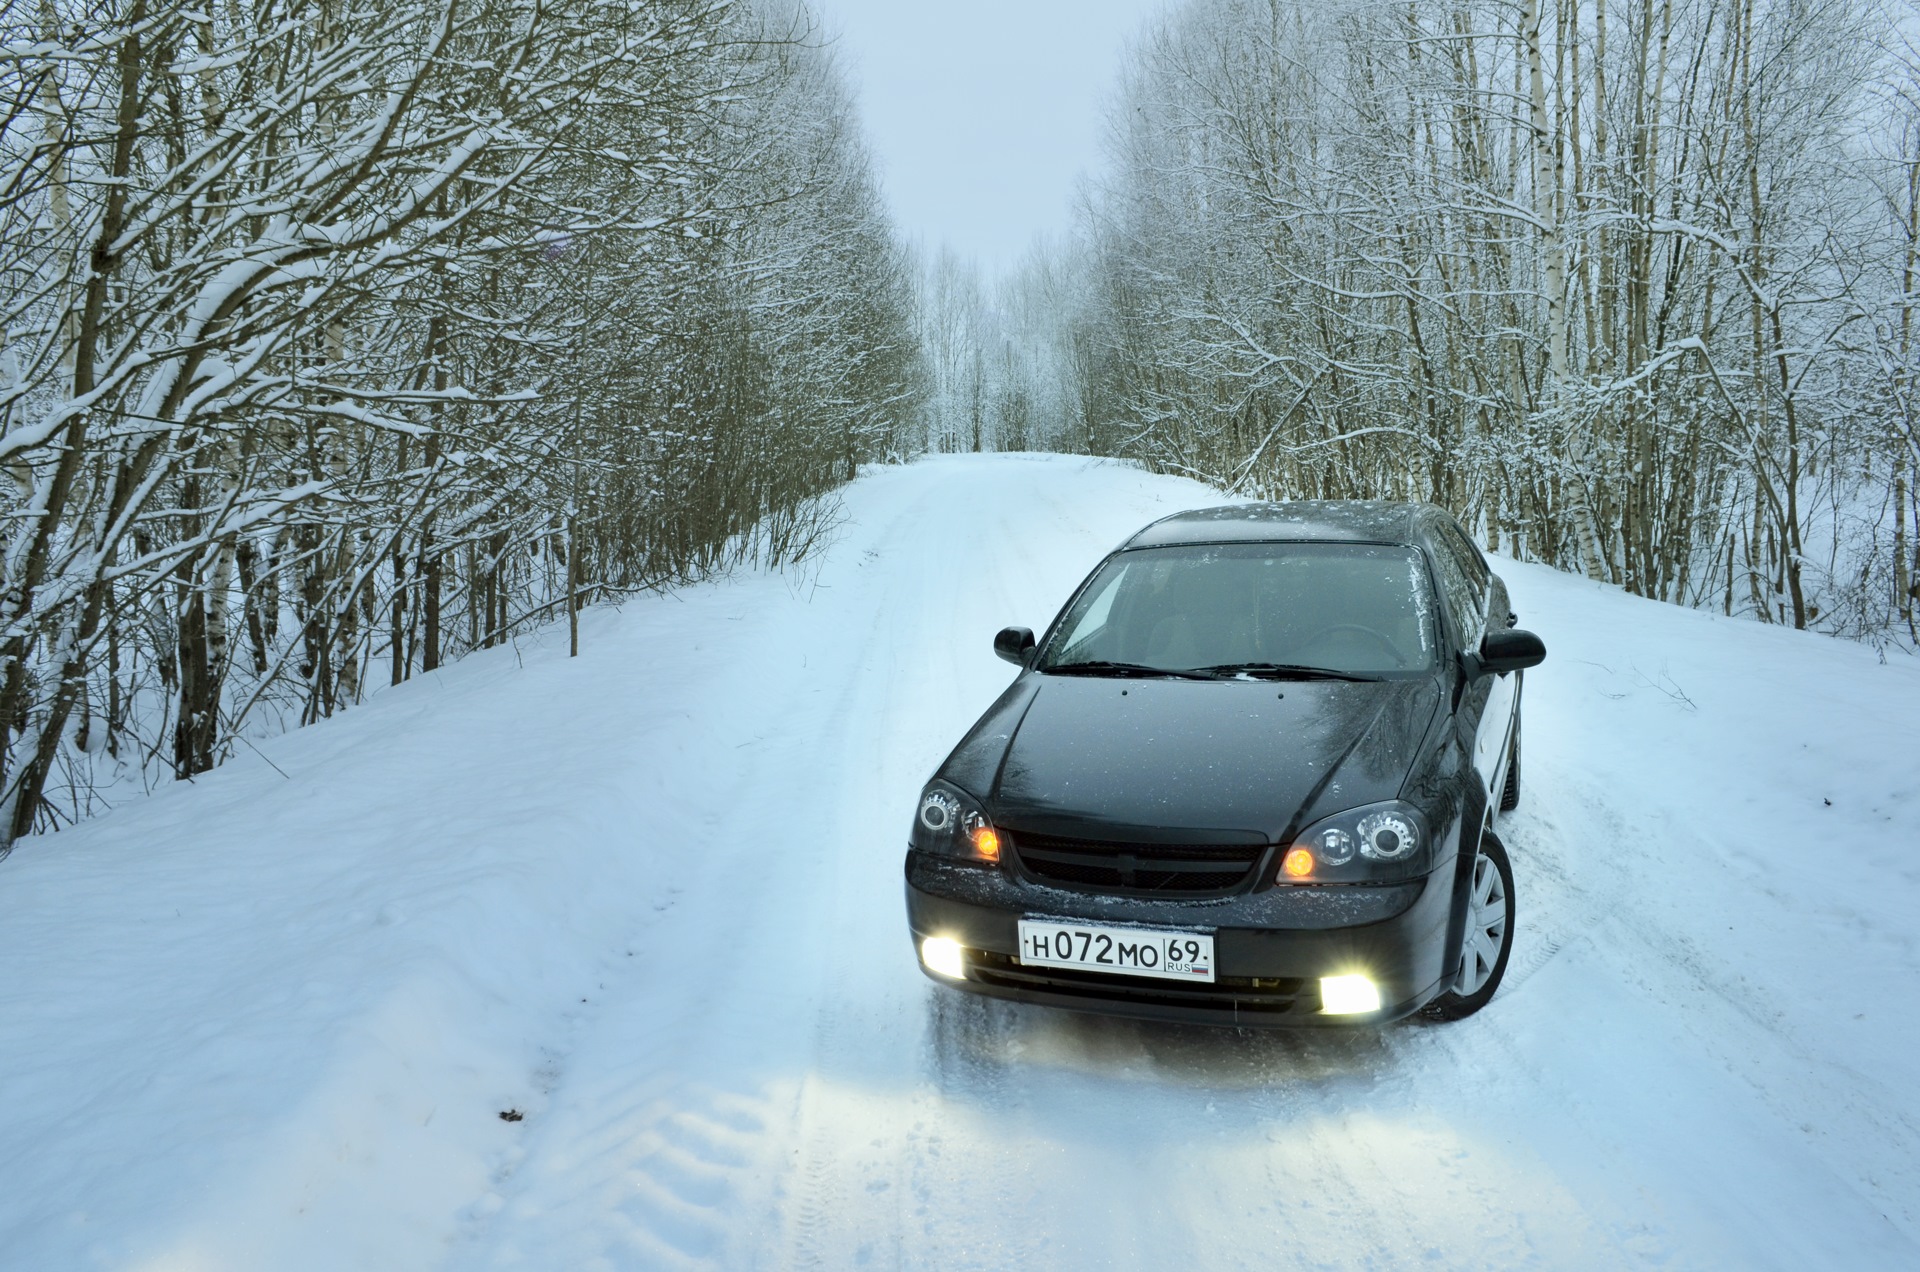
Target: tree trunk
573	591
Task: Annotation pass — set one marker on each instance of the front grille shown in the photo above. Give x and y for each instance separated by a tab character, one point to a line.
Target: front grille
1095	865
1271	996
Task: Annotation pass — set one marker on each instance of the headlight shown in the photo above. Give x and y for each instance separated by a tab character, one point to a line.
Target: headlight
951	823
1380	843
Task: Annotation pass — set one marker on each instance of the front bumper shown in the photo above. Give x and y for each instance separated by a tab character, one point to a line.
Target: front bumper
1270	948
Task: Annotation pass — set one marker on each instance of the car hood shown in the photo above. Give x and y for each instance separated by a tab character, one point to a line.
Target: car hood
1147	760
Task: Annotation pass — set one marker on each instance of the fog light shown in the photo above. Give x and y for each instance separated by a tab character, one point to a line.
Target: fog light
942	955
1342	995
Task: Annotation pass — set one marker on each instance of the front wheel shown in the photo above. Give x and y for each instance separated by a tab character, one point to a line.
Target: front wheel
1489	936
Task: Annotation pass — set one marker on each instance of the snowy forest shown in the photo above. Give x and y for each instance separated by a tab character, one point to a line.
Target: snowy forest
337	341
1629	287
342	339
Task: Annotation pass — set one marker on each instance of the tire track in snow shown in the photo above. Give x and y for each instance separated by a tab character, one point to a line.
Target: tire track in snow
688	1160
829	1188
880	1194
664	1179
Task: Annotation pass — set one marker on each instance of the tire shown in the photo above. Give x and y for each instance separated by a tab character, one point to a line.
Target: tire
1483	963
1510	793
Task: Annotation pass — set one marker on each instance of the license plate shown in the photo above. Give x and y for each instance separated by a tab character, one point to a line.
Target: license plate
1123	951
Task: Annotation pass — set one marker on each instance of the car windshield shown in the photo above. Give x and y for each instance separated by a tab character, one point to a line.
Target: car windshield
1355	610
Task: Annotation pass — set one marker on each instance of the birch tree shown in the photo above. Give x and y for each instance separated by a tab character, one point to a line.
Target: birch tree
1627	287
337	341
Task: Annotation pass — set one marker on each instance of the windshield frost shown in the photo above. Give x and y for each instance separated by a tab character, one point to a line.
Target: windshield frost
1361	609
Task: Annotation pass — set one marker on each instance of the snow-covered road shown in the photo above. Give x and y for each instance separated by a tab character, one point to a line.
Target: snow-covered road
650	899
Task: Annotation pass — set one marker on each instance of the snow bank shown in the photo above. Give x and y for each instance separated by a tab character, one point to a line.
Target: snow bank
648	899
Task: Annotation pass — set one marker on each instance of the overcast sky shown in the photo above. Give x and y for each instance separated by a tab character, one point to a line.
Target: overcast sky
983	113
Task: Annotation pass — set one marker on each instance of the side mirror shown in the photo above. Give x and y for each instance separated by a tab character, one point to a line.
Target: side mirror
1014	644
1504	651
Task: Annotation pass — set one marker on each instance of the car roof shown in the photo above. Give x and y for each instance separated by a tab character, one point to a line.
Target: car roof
1292	521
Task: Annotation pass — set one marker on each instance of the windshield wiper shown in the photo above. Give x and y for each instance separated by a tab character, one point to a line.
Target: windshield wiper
1285	671
1137	671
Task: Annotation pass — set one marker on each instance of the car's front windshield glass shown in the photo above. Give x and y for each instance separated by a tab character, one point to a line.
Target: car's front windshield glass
1357	609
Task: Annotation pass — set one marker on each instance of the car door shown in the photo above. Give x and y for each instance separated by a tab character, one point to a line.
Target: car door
1495	698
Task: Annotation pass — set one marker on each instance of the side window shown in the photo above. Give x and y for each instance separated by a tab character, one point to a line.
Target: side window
1476	565
1463	578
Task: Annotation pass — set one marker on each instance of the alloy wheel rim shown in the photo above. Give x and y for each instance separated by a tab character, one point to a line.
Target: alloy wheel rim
1486	928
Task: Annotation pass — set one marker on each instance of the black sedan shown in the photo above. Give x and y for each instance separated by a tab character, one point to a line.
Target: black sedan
1249	776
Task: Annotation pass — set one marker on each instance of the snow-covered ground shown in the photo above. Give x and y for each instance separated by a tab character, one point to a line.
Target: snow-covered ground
651	900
